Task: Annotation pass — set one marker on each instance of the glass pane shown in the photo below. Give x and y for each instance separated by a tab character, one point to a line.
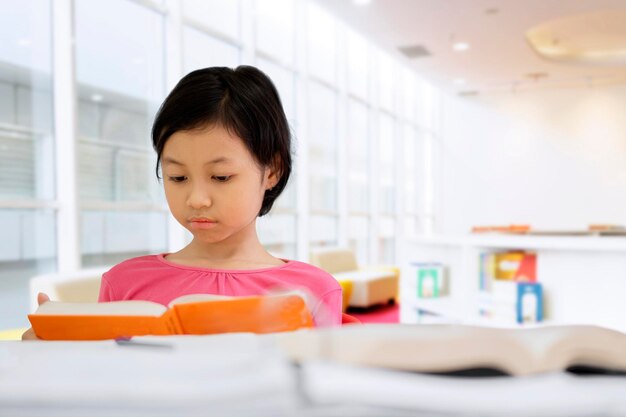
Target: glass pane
116	108
411	167
431	154
407	98
322	148
323	193
420	173
387	250
28	248
277	232
386	90
26	142
357	65
274	29
322	231
386	170
110	237
218	15
358	237
358	159
201	50
425	103
284	81
321	44
28	243
386	240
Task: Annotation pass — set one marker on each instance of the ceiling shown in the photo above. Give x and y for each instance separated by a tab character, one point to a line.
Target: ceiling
499	58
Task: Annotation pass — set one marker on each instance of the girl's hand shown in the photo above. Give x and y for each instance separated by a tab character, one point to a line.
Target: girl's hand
30	334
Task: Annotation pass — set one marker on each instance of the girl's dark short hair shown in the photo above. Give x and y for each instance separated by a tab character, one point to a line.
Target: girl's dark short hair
243	100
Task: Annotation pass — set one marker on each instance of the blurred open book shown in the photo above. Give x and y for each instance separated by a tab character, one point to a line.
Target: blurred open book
189	314
464	350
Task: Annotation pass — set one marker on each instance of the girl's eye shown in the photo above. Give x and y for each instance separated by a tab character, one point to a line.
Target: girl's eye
178	179
221	178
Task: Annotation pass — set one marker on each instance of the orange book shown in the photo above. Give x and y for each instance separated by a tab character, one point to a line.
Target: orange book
190	314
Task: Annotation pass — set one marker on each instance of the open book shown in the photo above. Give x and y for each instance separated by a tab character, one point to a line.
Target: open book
189	314
464	350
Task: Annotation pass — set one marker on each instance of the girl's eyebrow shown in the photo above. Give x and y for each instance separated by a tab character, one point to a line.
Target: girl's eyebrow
168	160
218	160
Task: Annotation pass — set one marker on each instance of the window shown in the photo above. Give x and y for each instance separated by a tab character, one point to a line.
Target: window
202	50
322	136
359	179
358	66
27	189
117	185
277	230
387	144
389	121
275	29
219	16
321	44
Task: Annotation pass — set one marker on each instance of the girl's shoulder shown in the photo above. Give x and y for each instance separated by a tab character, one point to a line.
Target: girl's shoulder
310	274
140	264
306	268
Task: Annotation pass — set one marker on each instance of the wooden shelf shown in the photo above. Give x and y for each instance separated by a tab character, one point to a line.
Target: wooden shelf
557	243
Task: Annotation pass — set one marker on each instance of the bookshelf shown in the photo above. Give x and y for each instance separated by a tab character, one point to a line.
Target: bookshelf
584	278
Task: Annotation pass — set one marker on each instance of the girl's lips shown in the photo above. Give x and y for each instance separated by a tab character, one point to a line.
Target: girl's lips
202	223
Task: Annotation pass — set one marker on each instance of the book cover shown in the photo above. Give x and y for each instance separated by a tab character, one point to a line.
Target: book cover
191	314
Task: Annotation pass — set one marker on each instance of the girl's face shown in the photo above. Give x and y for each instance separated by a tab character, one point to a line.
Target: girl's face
213	185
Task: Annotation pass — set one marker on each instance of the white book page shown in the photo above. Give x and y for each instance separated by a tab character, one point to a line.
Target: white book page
113	308
194	298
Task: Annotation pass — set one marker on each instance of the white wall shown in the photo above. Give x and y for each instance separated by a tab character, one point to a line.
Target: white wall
553	159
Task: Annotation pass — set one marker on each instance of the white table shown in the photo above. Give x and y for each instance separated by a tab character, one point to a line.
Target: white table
248	375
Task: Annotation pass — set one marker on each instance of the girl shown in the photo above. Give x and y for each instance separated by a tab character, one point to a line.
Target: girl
224	149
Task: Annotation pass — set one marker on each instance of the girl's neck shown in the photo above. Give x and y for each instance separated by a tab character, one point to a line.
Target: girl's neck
243	251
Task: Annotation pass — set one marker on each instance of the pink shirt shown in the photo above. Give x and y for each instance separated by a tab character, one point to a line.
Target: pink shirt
154	278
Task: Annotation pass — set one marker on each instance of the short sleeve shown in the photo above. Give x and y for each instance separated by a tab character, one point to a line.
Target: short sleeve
106	291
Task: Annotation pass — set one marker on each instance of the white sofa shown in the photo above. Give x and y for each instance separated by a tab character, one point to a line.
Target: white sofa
79	286
369	285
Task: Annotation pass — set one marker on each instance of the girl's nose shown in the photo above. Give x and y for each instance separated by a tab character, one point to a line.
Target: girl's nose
199	197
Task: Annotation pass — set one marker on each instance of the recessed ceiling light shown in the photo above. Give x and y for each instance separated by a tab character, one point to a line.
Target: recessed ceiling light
97	98
460	46
361	2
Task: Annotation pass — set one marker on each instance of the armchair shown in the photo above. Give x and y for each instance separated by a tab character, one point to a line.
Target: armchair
367	285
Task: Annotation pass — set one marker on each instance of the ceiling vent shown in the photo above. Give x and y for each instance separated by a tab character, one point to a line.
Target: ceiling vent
414	51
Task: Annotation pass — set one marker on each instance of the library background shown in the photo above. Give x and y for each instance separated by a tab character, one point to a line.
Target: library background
388	165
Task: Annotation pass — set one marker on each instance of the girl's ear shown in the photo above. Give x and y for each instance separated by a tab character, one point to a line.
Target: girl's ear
273	172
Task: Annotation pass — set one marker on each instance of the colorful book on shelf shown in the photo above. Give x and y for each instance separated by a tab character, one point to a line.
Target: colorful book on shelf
190	314
509	290
428	279
464	350
515	302
518	266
